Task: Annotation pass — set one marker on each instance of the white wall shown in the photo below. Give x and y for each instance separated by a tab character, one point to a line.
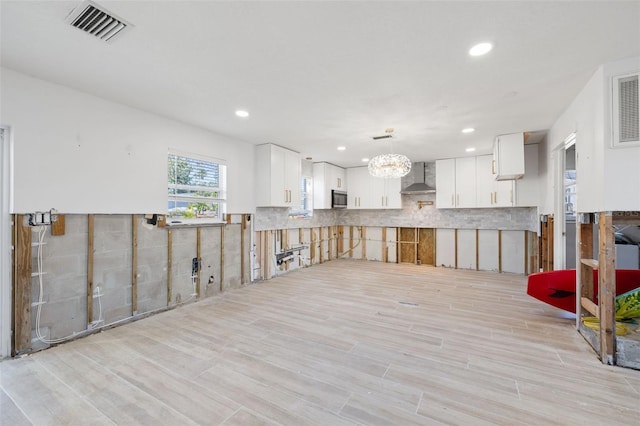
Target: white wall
621	165
82	154
608	178
584	116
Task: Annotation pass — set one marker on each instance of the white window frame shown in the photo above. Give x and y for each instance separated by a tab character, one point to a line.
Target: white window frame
220	200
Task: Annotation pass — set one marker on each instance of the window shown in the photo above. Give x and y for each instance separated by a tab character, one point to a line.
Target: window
197	187
305	209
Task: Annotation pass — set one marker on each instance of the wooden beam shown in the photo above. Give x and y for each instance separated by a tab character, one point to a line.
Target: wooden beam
134	264
591	307
243	228
455	245
385	249
416	240
477	249
607	288
312	246
199	256
351	241
222	257
330	237
526	251
363	235
340	239
169	265
320	241
58	227
499	250
22	286
90	244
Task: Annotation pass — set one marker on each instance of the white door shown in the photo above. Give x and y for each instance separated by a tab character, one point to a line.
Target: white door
5	245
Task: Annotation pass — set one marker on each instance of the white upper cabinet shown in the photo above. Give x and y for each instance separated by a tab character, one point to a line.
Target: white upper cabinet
327	177
446	183
508	156
490	192
466	182
456	183
368	192
277	176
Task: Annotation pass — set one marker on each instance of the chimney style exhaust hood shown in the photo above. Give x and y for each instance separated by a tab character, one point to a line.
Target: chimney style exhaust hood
421	179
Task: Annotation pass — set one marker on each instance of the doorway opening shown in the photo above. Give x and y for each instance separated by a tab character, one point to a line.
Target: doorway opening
565	204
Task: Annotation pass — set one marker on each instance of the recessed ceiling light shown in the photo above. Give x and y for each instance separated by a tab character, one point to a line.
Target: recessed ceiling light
365	160
480	49
342	148
242	113
470	149
468	130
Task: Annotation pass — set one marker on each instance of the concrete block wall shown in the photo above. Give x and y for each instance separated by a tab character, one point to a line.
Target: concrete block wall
152	267
64	283
112	266
64	312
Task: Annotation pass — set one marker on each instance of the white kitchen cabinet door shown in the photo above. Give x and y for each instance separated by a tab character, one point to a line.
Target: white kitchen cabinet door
277	176
485	183
508	154
490	192
358	196
465	182
393	198
446	183
326	178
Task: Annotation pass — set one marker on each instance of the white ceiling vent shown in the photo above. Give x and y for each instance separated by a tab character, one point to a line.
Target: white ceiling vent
626	110
95	20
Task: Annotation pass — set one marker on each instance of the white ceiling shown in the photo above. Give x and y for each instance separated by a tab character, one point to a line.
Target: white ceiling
316	75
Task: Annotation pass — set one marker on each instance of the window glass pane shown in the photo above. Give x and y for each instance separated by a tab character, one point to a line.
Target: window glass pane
196	187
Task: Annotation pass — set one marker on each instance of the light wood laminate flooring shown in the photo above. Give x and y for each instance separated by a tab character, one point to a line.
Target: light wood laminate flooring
342	343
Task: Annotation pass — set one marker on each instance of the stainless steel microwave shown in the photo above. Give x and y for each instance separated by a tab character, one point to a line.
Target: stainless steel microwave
338	199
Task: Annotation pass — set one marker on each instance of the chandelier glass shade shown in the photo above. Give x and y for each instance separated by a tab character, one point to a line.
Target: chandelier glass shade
389	166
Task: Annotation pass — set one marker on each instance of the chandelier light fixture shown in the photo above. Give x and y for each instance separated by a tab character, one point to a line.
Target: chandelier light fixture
389	165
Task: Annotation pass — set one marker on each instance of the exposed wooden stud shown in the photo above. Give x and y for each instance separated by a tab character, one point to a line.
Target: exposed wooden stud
584	279
58	227
591	307
320	241
330	242
385	252
455	243
416	239
312	246
398	245
222	257
199	257
526	251
607	288
340	239
243	228
90	244
169	264
22	286
134	264
499	250
477	249
363	236
351	241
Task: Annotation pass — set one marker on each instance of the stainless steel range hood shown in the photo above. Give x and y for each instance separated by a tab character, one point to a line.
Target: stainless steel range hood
421	179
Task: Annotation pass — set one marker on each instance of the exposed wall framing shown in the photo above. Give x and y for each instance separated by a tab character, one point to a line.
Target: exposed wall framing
605	341
132	262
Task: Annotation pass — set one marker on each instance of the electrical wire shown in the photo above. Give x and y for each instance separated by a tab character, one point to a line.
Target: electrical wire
41	233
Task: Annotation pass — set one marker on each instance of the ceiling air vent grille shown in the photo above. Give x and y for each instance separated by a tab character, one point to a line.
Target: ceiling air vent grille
626	110
89	18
